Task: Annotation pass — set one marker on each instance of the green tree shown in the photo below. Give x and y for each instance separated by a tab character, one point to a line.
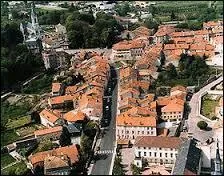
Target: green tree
151	23
172	16
162	57
65	138
171	71
135	170
202	125
118	167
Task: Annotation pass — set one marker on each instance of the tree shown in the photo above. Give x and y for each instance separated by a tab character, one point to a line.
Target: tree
162	58
172	16
151	23
202	125
35	117
65	138
118	168
171	71
135	170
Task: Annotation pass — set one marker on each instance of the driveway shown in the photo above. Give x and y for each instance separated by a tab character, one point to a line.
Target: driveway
193	117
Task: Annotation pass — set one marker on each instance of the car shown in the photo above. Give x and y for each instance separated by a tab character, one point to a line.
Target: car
108	100
107	108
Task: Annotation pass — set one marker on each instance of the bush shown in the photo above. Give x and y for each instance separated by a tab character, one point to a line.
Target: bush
202	125
214	117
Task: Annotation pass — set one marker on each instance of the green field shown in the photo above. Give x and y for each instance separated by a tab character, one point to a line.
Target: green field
208	107
17	169
39	86
21	121
6	159
8	137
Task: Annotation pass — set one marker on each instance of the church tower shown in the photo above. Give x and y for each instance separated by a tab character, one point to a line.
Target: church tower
217	162
34	20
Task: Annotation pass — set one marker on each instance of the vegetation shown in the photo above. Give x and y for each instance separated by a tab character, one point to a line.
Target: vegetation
192	25
18	123
202	125
208	107
190	70
17	169
8	137
45	146
86	32
39	86
6	159
17	62
135	170
65	138
118	167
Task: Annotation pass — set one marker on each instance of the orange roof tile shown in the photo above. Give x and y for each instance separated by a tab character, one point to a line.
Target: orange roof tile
141	111
158	142
127	120
70	89
50	116
127	45
173	107
62	99
56	87
47	131
178	87
72	116
71	151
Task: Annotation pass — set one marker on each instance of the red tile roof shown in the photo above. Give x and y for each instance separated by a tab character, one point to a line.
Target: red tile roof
47	131
72	116
49	115
56	87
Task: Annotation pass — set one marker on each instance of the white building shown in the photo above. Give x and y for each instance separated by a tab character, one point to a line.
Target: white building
157	150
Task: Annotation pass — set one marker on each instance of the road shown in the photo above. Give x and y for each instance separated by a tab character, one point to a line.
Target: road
108	142
193	117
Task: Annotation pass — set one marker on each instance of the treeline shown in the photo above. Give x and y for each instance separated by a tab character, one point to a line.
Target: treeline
17	62
84	31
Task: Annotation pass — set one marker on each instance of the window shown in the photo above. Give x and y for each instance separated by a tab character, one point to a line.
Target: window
155	154
144	153
133	132
122	131
150	153
171	155
165	154
148	132
139	154
137	163
147	128
175	155
160	154
142	132
127	132
160	148
144	147
133	137
138	132
174	112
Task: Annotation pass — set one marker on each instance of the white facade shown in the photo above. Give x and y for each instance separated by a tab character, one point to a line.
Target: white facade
45	122
131	132
127	54
172	116
154	155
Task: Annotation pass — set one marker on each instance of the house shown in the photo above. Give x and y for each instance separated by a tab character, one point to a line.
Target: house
64	157
163	33
127	50
75	131
188	160
173	111
179	91
49	119
74	116
157	150
64	101
49	133
127	74
129	127
129	93
127	103
53	59
57	89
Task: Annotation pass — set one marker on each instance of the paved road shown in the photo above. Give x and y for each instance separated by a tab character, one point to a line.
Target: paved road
102	166
193	117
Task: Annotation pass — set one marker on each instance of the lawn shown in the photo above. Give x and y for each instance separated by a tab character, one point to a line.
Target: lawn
6	159
39	86
17	169
21	121
208	107
8	137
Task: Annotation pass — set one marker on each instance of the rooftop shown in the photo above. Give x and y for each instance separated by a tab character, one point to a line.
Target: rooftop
48	131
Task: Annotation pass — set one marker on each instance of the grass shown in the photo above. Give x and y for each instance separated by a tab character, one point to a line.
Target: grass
208	107
39	86
17	169
45	146
6	159
7	137
26	130
18	123
13	111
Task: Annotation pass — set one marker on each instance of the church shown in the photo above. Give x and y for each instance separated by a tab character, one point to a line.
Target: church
32	33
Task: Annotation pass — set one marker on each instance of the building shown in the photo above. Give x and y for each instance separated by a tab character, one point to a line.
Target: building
157	150
57	89
128	50
65	101
58	161
53	59
50	119
130	127
49	133
32	33
216	162
188	160
74	116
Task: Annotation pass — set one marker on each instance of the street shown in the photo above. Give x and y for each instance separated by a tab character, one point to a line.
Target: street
103	164
193	117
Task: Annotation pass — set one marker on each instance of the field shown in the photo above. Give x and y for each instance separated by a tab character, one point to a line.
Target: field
39	86
8	137
17	169
6	159
208	107
21	121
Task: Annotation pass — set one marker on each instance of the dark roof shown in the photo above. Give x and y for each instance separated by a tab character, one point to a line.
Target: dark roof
188	158
73	128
